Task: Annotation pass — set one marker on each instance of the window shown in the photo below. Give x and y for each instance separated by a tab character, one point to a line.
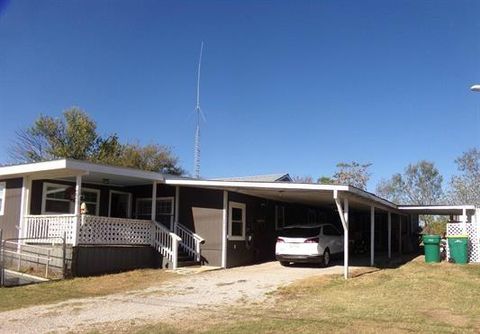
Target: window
236	226
331	231
60	198
3	187
279	217
300	232
164	209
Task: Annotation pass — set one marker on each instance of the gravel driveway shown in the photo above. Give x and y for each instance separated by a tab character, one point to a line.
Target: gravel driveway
171	301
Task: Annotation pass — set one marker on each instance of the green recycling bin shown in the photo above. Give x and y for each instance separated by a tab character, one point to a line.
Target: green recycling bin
458	246
431	244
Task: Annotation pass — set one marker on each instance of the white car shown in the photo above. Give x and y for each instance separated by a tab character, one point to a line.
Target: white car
308	244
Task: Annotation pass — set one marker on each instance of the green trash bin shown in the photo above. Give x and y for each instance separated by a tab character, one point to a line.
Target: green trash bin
431	244
458	246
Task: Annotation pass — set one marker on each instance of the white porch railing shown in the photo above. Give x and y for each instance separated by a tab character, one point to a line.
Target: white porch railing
190	241
166	243
49	228
96	230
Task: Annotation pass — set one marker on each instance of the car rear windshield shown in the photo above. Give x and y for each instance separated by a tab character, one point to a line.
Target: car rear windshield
298	232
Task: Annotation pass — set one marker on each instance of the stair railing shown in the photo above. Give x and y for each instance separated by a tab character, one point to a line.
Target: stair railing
190	241
166	243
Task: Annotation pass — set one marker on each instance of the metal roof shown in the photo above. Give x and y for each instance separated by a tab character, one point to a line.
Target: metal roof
284	177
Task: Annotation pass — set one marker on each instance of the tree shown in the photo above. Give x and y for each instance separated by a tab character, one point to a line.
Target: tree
420	184
465	188
353	174
303	179
75	136
152	157
325	180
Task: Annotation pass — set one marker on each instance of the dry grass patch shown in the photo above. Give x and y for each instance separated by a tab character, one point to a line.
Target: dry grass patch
56	291
415	297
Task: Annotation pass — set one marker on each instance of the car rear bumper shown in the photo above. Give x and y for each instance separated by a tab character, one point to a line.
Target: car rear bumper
299	258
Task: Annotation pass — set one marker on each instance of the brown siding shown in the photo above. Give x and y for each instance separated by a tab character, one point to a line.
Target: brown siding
10	219
99	260
260	224
201	211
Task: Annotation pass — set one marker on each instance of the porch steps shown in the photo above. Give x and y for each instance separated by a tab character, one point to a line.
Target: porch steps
185	260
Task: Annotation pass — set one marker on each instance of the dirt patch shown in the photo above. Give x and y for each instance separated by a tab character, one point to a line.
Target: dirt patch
190	299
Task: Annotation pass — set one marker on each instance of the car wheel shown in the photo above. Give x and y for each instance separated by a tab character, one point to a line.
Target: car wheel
285	263
326	258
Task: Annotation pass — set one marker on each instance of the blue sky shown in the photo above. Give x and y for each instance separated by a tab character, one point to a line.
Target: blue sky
291	86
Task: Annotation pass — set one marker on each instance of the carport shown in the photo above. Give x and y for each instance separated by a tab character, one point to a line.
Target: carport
341	199
464	220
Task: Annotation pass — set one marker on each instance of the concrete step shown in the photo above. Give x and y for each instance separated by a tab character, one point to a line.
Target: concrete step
187	263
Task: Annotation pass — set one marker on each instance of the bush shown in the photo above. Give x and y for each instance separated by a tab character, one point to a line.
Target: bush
435	227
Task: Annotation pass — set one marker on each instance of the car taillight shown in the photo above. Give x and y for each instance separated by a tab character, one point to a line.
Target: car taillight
280	240
311	241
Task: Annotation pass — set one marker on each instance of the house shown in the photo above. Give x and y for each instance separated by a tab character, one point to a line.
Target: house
120	218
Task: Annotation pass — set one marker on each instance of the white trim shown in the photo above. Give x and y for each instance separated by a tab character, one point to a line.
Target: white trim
3	195
345	238
343	213
12	171
243	207
76	166
129	209
224	228
261	185
25	205
78	194
232	185
277	207
438	207
44	194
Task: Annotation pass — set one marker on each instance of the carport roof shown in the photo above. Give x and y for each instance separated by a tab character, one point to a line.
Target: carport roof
311	194
436	209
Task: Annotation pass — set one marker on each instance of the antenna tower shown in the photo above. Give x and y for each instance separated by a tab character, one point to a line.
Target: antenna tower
198	111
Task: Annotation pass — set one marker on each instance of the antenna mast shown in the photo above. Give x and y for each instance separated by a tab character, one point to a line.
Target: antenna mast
198	111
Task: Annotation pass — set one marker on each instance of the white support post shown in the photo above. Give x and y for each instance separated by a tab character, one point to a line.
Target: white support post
464	221
224	229
343	213
78	194
24	206
345	239
174	253
177	207
153	212
389	235
372	236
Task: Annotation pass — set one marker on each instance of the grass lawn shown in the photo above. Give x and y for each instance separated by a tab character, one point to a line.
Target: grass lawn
57	291
415	297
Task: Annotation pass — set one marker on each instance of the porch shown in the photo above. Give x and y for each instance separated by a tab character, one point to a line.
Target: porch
94	205
80	230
